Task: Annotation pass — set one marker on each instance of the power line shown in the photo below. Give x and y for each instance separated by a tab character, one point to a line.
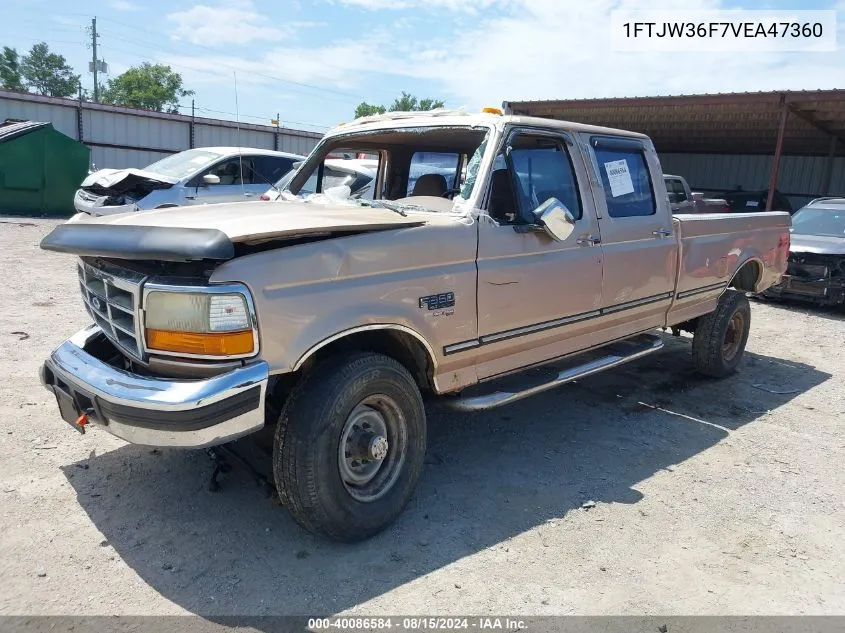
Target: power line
221	52
344	98
261	118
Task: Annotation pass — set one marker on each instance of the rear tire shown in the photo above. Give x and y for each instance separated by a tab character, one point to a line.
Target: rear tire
350	446
720	337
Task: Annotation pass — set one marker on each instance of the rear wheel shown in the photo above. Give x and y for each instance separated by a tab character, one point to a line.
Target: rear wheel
350	446
720	337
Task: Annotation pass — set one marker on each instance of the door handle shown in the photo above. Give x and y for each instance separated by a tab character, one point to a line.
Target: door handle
249	195
661	233
590	240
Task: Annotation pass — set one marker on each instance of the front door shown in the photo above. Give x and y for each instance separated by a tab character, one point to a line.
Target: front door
537	298
237	183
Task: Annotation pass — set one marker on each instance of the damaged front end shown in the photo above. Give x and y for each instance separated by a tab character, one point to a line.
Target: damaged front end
110	191
814	277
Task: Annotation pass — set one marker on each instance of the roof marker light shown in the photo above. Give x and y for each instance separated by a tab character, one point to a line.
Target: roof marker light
490	110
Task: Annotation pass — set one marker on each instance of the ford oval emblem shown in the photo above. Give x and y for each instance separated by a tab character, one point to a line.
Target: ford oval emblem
96	303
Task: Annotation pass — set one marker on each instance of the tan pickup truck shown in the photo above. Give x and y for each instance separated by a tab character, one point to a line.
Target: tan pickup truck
519	243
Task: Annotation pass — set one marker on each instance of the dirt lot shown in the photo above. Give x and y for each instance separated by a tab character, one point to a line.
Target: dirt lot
711	497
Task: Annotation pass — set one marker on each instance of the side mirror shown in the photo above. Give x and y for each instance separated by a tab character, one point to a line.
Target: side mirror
555	219
211	179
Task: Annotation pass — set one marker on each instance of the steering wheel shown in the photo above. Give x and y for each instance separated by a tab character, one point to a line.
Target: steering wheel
450	192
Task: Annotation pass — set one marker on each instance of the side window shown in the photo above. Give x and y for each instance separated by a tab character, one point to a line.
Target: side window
230	171
543	170
443	164
673	185
270	168
310	185
537	168
627	182
331	178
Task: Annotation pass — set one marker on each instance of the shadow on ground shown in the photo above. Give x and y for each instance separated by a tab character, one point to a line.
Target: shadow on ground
488	477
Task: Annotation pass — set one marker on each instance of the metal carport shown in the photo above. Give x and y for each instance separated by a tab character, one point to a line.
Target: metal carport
730	132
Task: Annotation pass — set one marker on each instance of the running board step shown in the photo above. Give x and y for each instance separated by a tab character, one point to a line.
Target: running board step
598	360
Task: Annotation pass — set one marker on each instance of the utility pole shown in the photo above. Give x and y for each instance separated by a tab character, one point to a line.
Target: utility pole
94	59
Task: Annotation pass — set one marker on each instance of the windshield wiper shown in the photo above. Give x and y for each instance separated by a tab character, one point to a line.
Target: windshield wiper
396	207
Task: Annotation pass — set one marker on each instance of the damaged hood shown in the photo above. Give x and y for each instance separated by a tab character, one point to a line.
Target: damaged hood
118	181
819	244
211	231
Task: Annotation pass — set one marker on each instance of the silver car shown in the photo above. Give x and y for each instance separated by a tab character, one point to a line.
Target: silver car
196	176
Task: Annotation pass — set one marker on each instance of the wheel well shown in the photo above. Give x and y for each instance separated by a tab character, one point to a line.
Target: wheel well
746	277
401	346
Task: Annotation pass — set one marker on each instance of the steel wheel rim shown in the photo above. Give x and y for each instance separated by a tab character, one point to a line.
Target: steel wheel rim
371	452
733	336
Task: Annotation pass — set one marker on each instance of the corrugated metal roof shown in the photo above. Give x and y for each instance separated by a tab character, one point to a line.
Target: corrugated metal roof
8	131
736	122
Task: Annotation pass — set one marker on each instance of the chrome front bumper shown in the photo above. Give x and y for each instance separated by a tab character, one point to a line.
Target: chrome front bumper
154	411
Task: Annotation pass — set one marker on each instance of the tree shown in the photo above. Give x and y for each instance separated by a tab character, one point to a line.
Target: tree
365	109
148	86
406	103
10	69
48	73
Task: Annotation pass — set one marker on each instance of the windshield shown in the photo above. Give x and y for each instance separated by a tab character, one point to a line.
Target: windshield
183	164
416	169
819	221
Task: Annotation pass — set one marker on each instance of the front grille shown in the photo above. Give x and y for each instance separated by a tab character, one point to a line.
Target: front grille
112	296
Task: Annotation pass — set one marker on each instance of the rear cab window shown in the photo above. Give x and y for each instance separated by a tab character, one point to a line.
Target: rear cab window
626	180
444	164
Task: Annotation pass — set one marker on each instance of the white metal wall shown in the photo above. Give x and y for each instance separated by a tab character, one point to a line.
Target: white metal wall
711	173
125	137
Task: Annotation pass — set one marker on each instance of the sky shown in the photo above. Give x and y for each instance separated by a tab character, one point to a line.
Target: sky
313	61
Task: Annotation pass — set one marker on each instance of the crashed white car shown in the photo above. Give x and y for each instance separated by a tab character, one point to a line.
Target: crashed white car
196	176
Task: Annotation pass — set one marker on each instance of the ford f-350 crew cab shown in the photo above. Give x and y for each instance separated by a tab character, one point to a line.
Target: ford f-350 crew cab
522	243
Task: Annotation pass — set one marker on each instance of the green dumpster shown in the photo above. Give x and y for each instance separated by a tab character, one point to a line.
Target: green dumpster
40	169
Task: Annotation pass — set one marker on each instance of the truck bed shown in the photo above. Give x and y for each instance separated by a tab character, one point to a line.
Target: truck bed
714	246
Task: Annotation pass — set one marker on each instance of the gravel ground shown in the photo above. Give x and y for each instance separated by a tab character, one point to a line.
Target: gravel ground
711	497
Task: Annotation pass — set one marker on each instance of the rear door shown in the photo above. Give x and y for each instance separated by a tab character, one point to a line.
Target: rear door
638	241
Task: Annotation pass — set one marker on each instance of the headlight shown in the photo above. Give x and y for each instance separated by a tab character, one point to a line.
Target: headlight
199	323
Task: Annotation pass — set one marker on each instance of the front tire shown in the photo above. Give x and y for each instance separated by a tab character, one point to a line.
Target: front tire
350	446
720	337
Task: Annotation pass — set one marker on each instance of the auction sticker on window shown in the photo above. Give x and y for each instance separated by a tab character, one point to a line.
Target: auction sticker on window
619	177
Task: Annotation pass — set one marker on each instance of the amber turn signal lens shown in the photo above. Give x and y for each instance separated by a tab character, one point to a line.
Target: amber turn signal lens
211	344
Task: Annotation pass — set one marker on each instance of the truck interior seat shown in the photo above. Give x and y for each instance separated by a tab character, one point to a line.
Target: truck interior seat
430	185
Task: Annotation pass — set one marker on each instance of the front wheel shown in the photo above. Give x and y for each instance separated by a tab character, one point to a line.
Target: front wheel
350	446
720	337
